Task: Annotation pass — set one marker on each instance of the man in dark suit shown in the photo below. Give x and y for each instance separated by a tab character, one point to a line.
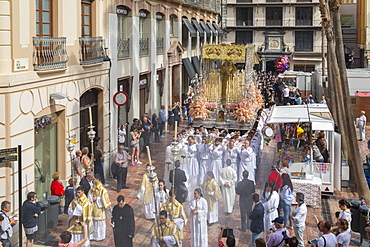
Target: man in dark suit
179	183
256	217
87	182
245	189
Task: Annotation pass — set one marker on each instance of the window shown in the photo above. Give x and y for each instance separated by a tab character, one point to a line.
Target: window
143	40
243	37
304	1
123	42
160	31
244	16
274	16
43	18
172	25
303	16
86	18
273	1
142	20
304	40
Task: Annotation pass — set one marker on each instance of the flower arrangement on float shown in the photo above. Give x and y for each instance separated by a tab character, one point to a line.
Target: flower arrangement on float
198	108
282	64
211	105
231	106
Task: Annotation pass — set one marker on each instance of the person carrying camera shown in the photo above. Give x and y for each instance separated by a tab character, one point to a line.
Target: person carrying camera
66	236
278	233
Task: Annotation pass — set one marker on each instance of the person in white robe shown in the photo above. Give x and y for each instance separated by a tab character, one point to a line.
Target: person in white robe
101	209
165	233
191	168
216	152
231	152
146	193
203	154
198	218
228	179
212	194
245	164
161	194
270	201
169	161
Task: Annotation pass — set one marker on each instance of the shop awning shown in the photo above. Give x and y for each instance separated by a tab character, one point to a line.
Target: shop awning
196	64
214	32
205	28
190	27
362	94
188	67
316	114
198	27
220	33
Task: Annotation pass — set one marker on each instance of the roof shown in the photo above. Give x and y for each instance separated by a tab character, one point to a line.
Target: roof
317	114
363	94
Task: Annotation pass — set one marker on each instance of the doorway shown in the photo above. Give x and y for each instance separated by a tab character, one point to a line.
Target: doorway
46	155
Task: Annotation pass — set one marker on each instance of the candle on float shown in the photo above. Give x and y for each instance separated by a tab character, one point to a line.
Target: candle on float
149	158
90	115
69	127
175	130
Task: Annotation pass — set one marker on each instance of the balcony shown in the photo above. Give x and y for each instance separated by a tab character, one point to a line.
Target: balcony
144	46
243	1
275	22
49	53
274	1
123	47
91	50
303	22
244	22
160	45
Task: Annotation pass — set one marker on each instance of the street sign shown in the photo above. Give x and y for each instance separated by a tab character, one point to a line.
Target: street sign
120	98
8	158
7	151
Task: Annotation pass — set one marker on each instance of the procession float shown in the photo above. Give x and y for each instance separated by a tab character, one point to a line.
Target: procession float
223	95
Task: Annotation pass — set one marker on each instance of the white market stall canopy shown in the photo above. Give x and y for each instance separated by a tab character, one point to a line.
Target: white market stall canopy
316	114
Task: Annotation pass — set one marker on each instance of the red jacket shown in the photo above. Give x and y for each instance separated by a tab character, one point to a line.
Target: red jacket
56	188
275	177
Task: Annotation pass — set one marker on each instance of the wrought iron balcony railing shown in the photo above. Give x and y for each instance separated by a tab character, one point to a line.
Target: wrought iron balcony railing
160	45
144	46
303	22
49	53
123	47
244	22
91	50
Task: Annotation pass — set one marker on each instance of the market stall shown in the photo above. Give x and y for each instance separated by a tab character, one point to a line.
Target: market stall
299	131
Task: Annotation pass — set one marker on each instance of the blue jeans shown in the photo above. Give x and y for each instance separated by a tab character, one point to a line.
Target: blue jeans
298	231
254	237
286	209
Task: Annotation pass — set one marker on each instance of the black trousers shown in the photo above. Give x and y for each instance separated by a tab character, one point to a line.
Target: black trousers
161	128
120	239
245	210
99	170
121	178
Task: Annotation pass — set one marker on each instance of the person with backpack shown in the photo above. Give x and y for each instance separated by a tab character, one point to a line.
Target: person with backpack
278	233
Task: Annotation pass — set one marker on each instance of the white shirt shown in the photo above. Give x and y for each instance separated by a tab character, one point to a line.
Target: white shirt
330	239
286	92
344	238
121	135
299	215
361	120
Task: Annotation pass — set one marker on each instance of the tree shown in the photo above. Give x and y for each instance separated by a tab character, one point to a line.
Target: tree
339	90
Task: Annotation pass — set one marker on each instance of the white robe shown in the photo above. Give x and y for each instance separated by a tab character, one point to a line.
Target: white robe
191	168
161	197
228	175
246	163
78	237
203	154
199	231
270	207
169	161
216	161
233	156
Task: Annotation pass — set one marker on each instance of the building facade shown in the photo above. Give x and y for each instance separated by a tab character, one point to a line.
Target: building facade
277	28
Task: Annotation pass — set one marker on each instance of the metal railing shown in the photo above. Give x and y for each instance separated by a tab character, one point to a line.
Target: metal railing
123	47
49	53
144	46
274	22
260	22
91	50
273	1
243	1
244	22
160	45
303	22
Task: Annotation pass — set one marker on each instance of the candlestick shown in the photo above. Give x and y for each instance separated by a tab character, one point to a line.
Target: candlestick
149	158
69	127
90	115
175	130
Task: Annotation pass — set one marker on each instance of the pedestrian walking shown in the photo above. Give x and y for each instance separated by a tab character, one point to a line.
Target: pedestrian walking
257	218
298	217
31	210
245	189
6	230
123	223
121	158
361	123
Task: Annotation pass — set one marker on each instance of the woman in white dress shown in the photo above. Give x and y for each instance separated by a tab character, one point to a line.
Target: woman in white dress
198	219
345	213
270	201
161	194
